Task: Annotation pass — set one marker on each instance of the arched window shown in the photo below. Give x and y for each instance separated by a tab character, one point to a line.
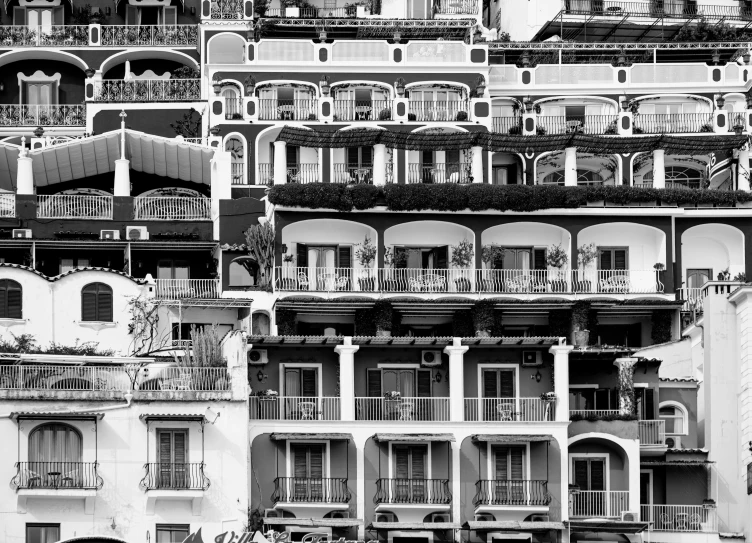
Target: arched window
584	177
54	442
10	299
96	303
260	324
233	104
236	149
675	415
679	176
243	272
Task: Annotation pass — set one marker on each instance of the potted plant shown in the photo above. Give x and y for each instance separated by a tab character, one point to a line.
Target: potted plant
491	255
586	255
216	84
366	254
548	397
383	316
557	258
392	395
250	85
483	318
724	275
214	130
267	395
462	257
741	277
461	116
580	317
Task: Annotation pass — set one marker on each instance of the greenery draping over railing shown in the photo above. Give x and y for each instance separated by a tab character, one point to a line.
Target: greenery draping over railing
436	140
482	197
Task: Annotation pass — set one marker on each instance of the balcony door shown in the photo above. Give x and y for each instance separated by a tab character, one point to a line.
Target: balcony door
698	277
435	104
419	9
612	260
399	388
410	473
308	472
589	474
173	459
509	474
34	17
422	258
55	452
324	267
151	15
173	269
499	392
301	393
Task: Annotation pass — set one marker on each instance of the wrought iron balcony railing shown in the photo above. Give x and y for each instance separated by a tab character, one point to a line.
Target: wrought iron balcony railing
517	492
171	208
42	115
179	289
7	205
74	206
227	9
57	475
150	35
175	476
39	36
310	490
294	408
147	90
420	491
656	9
456	7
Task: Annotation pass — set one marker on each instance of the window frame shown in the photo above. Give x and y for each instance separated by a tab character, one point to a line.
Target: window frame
52	426
171	528
326	456
6	284
684	416
491	453
96	302
592	456
40	525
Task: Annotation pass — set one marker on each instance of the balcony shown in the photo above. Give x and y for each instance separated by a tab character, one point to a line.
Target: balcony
288	110
652	432
365	110
171	208
582	124
266	174
227	9
43	115
37	36
7	205
509	410
147	90
679	518
402	409
184	379
655	9
294	408
181	289
161	476
237	170
303	173
439	173
693	299
74	206
455	7
518	492
507	125
353	173
149	35
412	491
593	414
233	109
57	476
672	123
421	111
598	503
310	490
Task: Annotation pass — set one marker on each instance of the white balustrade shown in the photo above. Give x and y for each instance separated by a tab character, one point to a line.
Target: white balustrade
294	408
651	432
171	208
589	414
74	206
7	205
693	299
679	518
173	289
509	409
402	409
598	503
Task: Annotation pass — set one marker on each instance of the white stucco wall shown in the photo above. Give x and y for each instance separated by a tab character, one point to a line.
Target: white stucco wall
714	246
428	234
647	245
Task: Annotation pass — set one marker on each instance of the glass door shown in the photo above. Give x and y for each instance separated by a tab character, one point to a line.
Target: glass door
410	474
499	394
308	466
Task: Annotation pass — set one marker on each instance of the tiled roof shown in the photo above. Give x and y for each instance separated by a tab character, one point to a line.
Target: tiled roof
234	247
678	380
688	451
71	272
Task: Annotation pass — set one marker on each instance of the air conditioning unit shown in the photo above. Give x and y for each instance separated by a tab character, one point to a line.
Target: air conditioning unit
532	358
136	233
484	517
23	233
440	517
340	514
385	517
272	513
630	516
430	359
672	442
109	234
539	518
257	357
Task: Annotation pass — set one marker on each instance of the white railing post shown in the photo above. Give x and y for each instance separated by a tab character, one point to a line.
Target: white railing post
346	353
561	380
456	353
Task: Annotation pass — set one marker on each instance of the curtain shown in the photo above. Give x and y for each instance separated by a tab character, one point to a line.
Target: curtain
292	382
55	443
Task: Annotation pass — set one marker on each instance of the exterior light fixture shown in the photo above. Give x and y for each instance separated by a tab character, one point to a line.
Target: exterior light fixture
284	248
324	84
438	377
216	85
716	58
528	104
721	101
397	36
2	86
538	376
400	86
250	85
322	36
260	375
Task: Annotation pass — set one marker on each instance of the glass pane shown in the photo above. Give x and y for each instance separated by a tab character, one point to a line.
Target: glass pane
181	270
83	263
66	264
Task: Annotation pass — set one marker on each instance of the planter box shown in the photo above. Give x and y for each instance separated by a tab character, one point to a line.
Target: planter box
597	203
744	204
653	203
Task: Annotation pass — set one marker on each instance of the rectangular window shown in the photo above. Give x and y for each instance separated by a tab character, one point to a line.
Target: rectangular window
509	462
613	258
173	459
308	471
301	382
589	473
68	264
172	533
42	533
173	269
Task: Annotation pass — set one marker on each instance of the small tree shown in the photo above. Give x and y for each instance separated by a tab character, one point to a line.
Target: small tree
462	254
189	126
260	241
366	252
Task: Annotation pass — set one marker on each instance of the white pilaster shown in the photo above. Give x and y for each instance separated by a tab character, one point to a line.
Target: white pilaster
360	489
221	184
346	353
743	171
122	177
477	164
456	353
456	486
570	167
280	162
379	164
659	169
561	380
25	173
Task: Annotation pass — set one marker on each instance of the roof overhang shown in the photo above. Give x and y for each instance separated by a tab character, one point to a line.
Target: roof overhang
513	526
172	417
500	438
607	526
415	526
278	436
413	437
54	415
314	522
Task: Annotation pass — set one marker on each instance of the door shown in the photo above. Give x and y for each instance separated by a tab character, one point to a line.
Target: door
295	172
613	266
322	267
301	393
358	168
409	485
645	403
589	476
173	469
419	9
698	277
232	104
646	497
308	476
499	394
509	475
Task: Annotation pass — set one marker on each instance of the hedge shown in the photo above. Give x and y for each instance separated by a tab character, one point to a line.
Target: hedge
482	197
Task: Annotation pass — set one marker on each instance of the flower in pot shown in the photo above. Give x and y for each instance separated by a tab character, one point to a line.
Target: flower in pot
483	318
548	397
480	86
250	85
383	316
557	258
214	130
580	318
366	254
492	255
462	257
586	255
216	84
724	275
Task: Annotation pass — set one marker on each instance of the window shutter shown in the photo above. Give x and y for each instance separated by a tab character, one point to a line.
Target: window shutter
316	462
165	448
310	390
170	16
15	303
649	404
620	259
516	470
179	448
374	383
424	383
19	16
441	257
512	174
131	16
539	259
352	155
506	384
501	463
597	481
104	305
88	306
401	463
490	389
417	462
581	474
345	256
605	260
302	255
57	16
300	461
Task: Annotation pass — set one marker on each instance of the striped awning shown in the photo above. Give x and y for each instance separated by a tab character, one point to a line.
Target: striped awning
7	3
277	436
414	437
506	438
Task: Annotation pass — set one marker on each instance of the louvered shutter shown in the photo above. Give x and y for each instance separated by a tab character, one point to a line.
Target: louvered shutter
620	259
302	255
374	383
424	383
293	154
613	402
170	16
15	302
316	462
300	461
417	462
581	474
649	403
165	460
19	16
88	304
57	16
516	469
402	465
352	156
605	260
597	480
511	174
539	259
501	463
104	304
506	383
441	257
310	390
345	256
4	310
490	389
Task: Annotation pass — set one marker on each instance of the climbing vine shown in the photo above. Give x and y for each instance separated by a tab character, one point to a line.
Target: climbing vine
626	387
144	327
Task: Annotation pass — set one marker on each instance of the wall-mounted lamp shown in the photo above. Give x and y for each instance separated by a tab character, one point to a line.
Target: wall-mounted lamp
538	376
322	36
716	57
721	101
438	377
260	375
113	525
193	10
284	248
399	85
397	36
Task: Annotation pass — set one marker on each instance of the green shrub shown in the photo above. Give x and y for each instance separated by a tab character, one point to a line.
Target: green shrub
661	329
285	322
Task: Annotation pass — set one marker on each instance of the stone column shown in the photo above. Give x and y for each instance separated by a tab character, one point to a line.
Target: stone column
346	353
477	165
456	485
122	177
570	167
360	484
626	385
456	354
659	169
743	172
280	162
25	173
379	164
561	381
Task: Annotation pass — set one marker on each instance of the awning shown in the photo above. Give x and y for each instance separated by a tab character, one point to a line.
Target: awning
506	438
414	437
685	463
313	435
7	3
117	3
314	522
179	417
415	526
513	526
8	166
607	526
54	415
